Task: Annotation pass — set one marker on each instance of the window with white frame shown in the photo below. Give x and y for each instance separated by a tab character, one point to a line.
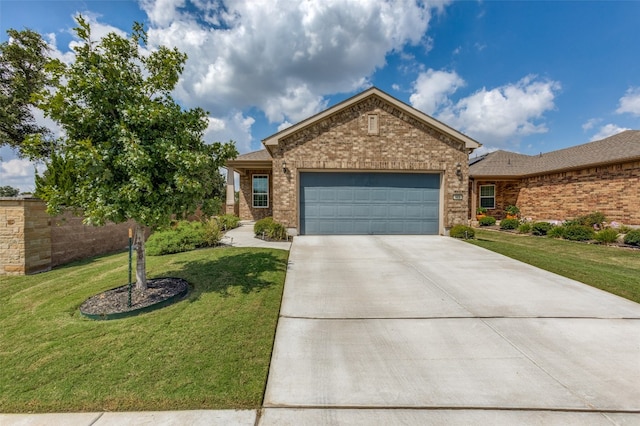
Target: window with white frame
488	196
260	188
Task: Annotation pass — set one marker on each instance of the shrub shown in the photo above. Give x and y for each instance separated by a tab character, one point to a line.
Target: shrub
462	231
212	232
607	236
579	233
623	229
591	219
541	228
487	221
184	236
261	226
271	229
509	223
632	237
228	221
512	210
524	228
557	232
481	210
277	231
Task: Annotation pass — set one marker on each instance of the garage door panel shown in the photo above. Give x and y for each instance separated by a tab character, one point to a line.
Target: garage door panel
369	203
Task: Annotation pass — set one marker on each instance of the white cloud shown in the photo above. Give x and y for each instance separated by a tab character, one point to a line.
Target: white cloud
432	89
284	125
234	126
281	56
16	172
591	123
608	130
504	114
630	102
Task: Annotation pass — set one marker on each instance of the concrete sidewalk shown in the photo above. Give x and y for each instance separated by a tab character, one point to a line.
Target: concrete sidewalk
243	236
433	330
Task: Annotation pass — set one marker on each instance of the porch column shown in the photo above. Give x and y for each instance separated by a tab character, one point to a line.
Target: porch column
231	191
474	199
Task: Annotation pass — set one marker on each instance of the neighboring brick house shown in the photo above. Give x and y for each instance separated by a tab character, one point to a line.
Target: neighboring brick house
599	176
369	165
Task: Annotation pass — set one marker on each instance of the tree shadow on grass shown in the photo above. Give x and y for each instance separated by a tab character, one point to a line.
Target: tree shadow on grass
246	271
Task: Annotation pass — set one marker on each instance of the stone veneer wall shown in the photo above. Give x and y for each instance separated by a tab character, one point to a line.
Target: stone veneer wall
72	240
245	209
25	236
31	241
612	190
341	143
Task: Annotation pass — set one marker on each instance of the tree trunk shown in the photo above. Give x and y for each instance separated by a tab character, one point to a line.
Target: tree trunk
141	266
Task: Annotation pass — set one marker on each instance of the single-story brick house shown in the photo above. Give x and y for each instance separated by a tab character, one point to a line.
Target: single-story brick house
599	176
369	165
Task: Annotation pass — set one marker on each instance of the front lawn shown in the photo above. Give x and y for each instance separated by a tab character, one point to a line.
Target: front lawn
612	269
211	350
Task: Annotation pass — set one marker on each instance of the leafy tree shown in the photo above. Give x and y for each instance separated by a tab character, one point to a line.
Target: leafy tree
22	73
9	191
130	151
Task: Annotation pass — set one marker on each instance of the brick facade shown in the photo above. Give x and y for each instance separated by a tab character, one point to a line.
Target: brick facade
341	142
611	190
245	209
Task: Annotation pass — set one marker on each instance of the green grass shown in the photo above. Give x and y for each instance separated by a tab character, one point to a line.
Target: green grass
211	350
612	269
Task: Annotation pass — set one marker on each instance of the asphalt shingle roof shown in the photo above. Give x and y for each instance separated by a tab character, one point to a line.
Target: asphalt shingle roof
624	146
262	155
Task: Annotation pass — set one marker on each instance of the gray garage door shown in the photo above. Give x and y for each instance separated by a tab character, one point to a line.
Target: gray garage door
369	203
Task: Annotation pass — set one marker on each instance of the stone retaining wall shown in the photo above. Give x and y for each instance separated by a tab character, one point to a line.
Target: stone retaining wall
31	241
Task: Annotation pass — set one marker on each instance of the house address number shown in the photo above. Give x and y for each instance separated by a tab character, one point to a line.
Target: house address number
457	197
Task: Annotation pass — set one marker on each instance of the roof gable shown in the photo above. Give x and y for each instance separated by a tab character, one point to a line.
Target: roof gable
469	143
623	147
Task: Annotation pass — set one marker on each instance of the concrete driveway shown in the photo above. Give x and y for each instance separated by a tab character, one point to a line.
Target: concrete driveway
431	330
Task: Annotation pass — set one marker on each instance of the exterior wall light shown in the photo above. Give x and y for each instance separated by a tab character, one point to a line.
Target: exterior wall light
459	170
284	166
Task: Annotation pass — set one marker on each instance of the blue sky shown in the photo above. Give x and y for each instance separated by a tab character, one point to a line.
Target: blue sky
523	76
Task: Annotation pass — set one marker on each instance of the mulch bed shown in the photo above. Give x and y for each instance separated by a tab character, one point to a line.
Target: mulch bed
116	300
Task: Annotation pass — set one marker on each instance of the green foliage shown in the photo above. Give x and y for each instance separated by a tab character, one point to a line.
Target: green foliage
22	73
131	152
261	226
623	229
541	228
632	237
9	191
481	210
462	231
487	221
509	223
512	210
607	236
271	229
524	228
591	219
578	233
184	236
556	232
228	221
212	232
